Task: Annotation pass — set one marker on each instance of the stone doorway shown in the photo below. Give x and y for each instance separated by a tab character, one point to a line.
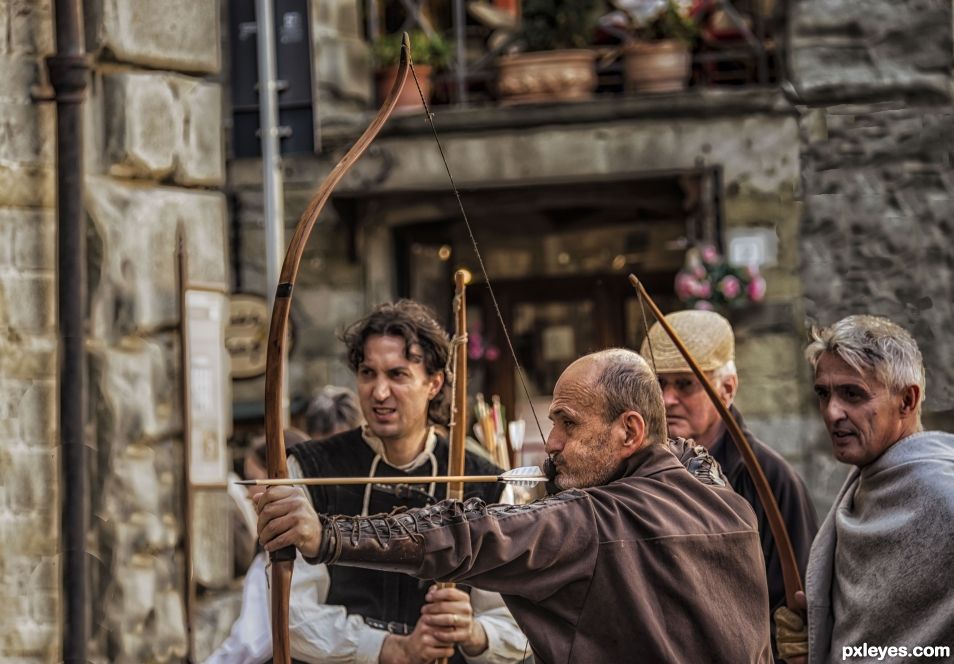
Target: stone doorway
557	255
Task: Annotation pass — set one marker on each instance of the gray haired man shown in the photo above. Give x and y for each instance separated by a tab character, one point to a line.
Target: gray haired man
882	565
691	414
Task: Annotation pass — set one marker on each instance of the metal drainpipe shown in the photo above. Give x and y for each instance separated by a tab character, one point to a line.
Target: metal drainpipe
68	70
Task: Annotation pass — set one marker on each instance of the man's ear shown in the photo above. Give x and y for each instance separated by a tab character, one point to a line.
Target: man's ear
910	398
634	427
437	382
729	388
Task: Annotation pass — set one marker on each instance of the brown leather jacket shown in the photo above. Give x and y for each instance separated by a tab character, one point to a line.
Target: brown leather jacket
653	567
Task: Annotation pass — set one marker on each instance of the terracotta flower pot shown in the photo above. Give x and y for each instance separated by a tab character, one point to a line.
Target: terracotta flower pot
566	75
656	66
410	98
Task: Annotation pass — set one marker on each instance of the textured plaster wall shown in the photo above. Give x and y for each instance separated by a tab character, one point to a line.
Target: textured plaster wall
874	81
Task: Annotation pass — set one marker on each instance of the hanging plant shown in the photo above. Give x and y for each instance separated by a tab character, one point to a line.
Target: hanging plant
708	281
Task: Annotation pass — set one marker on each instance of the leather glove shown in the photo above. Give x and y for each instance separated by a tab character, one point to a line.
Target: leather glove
791	634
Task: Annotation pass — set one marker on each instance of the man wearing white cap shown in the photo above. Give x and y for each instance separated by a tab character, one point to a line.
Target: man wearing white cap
691	414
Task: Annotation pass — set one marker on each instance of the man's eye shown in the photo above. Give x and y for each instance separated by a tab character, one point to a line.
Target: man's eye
684	384
820	393
853	394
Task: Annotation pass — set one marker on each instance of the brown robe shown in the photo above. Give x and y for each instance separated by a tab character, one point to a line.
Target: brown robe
653	567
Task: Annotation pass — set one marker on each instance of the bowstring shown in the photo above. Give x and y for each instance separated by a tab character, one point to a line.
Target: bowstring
649	339
473	241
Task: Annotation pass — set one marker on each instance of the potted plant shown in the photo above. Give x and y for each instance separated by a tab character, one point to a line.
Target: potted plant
660	34
429	52
554	63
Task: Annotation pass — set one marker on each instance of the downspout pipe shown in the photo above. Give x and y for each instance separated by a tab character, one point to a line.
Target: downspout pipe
68	71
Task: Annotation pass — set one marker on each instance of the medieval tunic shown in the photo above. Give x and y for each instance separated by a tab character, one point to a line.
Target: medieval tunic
790	493
882	567
360	605
653	567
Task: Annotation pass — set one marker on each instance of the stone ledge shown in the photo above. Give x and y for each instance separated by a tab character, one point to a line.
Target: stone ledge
695	103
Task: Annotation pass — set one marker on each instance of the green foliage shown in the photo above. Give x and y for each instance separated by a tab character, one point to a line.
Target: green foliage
653	20
672	24
548	25
430	50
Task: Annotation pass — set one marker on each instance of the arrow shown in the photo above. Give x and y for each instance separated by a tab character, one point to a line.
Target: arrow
524	476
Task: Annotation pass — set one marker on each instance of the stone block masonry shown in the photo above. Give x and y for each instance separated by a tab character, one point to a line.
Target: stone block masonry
877	145
154	157
30	602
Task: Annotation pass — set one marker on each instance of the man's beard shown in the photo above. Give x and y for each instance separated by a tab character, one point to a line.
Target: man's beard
592	467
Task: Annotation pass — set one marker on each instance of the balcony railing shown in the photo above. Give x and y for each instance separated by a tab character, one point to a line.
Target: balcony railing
744	50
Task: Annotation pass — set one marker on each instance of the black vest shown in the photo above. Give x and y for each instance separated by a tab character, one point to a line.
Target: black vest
385	596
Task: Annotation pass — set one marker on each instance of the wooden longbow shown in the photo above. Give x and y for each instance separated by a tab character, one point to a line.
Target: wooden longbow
790	575
282	562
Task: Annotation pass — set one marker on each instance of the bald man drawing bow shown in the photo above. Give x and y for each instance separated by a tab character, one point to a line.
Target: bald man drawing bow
634	559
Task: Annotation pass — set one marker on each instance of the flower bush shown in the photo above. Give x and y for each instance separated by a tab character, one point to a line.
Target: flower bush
477	347
709	281
651	20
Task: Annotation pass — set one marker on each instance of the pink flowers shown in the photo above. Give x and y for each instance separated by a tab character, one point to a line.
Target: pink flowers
685	286
756	288
477	347
730	287
708	281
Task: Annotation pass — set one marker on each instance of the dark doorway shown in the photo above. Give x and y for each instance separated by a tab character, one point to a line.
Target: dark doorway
558	256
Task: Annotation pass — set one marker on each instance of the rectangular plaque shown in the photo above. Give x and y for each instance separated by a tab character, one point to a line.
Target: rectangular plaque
206	314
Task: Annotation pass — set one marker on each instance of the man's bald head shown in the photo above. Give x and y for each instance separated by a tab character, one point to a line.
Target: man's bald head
624	381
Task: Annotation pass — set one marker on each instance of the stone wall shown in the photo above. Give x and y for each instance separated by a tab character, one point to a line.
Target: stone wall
874	81
30	600
156	158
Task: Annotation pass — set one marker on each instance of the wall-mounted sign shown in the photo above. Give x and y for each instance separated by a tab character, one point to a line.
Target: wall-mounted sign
208	400
246	334
753	246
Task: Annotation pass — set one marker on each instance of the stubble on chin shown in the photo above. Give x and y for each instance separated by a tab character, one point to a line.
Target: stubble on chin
593	472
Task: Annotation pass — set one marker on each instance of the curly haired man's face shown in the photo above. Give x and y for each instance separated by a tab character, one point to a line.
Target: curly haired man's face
395	390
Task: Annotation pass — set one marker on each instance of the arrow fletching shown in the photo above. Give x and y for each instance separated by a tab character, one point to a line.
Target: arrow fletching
525	476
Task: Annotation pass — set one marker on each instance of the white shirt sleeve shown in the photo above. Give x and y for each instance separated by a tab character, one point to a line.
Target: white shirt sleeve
506	644
250	641
325	633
